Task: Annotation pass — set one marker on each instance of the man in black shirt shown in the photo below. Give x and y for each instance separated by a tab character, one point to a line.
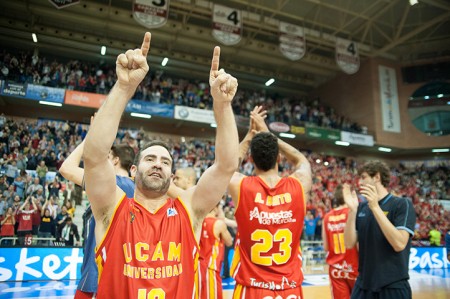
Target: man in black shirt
383	226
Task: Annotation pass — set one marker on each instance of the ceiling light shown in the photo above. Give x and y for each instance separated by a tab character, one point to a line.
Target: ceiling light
165	61
440	95
326	163
426	97
287	135
213	125
270	81
103	50
440	150
50	103
141	115
34	36
318	161
385	149
413	2
343	143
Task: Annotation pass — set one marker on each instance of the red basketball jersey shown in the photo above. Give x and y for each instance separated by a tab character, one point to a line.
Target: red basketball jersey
212	249
270	224
145	255
338	256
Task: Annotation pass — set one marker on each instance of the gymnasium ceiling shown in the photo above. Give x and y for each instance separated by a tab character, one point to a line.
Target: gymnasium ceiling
390	29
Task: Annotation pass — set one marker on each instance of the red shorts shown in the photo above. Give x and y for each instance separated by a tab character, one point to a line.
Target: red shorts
243	292
341	283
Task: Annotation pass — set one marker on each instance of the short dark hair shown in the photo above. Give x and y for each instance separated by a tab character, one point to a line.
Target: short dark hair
154	143
375	166
125	153
264	150
338	199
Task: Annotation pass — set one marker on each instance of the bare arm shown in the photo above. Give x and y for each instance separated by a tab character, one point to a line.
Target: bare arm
301	165
213	183
223	232
324	238
70	169
350	235
396	237
100	180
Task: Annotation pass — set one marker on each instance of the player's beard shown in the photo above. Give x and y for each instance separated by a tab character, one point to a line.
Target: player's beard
160	186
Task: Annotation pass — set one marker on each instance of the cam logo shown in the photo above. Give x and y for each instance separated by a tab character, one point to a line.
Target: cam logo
171	212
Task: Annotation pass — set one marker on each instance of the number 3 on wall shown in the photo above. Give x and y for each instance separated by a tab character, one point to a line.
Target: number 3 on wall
153	294
264	244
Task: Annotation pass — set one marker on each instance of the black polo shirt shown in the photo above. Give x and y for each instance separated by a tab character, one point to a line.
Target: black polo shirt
379	264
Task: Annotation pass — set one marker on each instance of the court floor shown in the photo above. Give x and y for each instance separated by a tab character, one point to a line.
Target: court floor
426	284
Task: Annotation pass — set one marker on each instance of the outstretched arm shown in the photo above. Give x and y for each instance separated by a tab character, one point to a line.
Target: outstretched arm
70	169
351	199
214	181
100	182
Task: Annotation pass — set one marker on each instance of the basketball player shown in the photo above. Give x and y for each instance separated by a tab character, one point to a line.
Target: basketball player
147	245
383	226
270	212
121	156
343	262
212	239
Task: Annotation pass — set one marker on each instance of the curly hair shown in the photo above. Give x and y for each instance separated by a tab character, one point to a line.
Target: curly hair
264	150
375	166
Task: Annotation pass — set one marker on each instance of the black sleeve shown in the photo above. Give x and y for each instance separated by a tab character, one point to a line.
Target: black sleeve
405	215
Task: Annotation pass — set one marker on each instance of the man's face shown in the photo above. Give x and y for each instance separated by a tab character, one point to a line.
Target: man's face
366	179
180	180
154	169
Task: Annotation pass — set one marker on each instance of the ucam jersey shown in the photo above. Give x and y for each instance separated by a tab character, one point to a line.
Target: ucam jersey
339	257
270	223
145	255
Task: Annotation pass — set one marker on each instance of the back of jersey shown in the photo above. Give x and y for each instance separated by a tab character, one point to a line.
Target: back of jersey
270	223
338	256
211	248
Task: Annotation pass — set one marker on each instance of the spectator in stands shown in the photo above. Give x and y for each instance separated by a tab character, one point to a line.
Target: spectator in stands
7	226
32	189
10	195
69	232
3	184
19	186
41	171
447	244
435	237
310	226
3	205
54	187
25	214
11	171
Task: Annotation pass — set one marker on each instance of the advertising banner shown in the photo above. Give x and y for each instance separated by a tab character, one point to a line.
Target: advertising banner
321	133
354	138
14	89
45	93
84	99
139	106
40	263
389	99
194	114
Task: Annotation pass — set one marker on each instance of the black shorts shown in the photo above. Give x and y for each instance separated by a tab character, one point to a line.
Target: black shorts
398	290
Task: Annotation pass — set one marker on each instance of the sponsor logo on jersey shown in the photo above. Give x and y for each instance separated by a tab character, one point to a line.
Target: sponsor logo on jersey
271	285
362	214
171	212
335	227
269	218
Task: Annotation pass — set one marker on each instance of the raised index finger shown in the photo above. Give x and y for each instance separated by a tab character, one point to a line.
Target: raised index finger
146	44
215	59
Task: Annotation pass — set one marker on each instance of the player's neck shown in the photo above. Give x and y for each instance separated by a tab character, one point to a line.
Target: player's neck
121	172
270	177
152	201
